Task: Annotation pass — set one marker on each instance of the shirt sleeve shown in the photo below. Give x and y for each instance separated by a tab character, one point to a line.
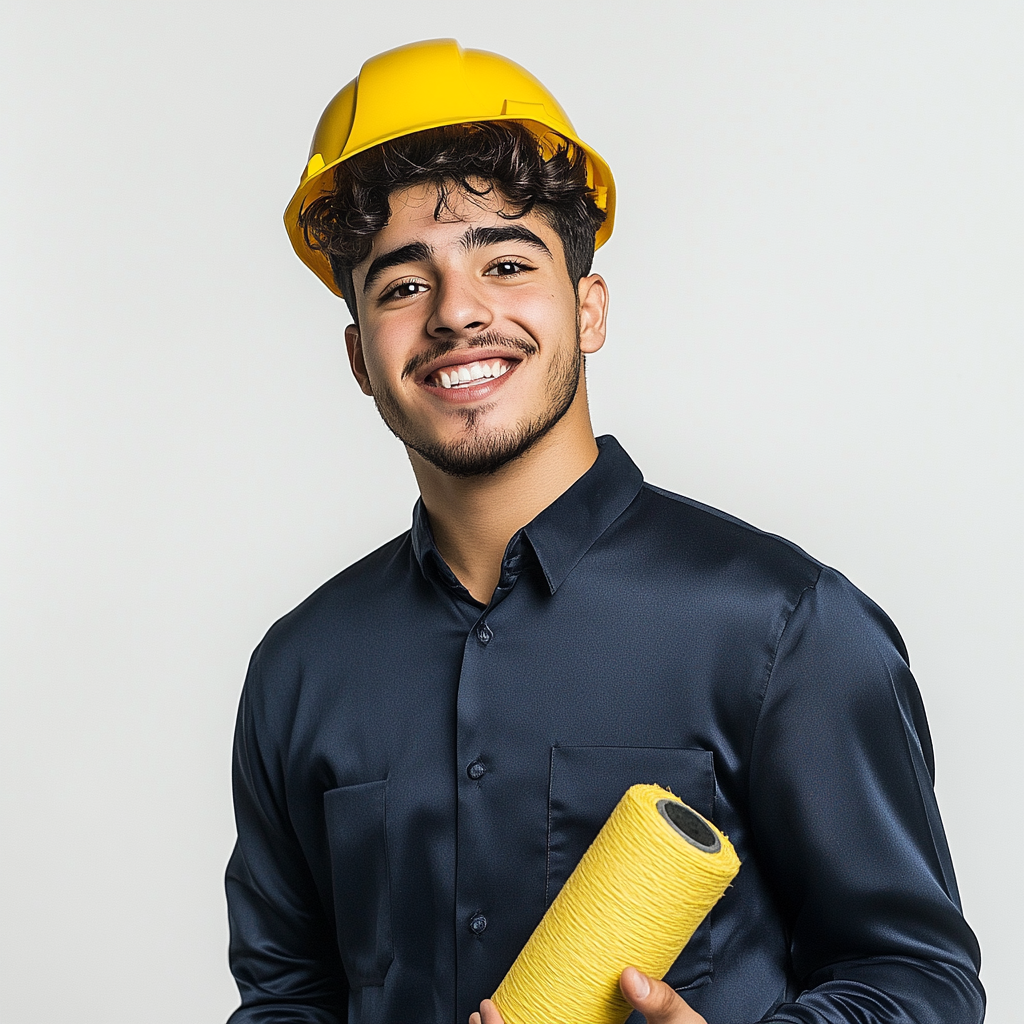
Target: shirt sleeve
846	825
282	954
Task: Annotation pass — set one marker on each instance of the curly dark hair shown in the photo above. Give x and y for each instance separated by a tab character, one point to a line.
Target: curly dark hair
503	155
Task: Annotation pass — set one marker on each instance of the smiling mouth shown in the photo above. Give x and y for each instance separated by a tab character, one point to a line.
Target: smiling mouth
468	374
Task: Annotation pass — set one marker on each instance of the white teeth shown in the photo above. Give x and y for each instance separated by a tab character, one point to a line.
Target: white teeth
453	377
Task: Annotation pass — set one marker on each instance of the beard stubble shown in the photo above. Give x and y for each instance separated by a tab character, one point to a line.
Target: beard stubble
476	452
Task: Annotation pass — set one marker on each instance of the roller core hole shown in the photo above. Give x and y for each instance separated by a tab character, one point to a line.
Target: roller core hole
691	826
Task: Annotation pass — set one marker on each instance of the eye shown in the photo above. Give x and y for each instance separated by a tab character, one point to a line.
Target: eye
403	290
507	268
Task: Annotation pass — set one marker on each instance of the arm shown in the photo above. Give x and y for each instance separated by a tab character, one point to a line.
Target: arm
846	825
282	952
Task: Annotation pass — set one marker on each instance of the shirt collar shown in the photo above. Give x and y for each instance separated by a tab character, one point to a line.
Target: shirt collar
566	530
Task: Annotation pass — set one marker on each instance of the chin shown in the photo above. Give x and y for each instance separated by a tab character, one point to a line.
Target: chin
475	452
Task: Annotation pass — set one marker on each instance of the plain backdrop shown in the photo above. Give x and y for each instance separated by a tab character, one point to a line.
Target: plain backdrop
817	316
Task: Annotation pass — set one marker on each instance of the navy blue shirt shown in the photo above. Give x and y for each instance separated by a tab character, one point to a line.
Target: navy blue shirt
416	774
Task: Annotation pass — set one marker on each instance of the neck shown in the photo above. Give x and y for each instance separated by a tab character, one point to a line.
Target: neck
474	518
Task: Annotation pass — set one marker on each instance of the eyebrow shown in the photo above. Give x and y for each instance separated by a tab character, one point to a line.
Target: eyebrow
474	238
477	238
414	252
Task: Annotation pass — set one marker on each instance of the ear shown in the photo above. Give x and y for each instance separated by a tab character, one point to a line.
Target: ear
355	359
593	312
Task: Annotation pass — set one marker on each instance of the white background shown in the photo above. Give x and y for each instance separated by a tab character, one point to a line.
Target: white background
816	325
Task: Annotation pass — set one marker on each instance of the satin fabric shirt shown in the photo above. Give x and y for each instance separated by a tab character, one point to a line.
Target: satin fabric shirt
416	774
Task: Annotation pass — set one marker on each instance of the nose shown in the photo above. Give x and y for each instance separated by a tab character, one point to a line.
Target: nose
459	308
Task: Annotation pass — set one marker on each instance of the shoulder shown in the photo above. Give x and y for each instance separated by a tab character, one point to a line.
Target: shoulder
834	660
718	535
736	562
724	558
329	619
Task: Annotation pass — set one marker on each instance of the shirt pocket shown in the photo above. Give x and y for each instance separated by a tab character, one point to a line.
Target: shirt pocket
585	785
361	879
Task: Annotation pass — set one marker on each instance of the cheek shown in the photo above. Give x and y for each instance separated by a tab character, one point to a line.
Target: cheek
547	316
376	365
385	350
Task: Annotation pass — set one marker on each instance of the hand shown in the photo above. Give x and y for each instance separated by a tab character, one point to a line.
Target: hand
488	1014
654	999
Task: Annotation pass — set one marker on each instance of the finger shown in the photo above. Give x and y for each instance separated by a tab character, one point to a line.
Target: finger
474	1018
659	1003
489	1013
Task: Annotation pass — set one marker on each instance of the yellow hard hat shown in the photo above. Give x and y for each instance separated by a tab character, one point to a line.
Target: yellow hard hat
428	85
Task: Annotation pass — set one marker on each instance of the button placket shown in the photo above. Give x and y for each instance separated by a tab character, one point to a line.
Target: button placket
483	660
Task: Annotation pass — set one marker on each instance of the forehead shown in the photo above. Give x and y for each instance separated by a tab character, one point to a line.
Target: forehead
419	213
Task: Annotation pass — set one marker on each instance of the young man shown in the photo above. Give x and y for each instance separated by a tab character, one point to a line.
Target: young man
427	745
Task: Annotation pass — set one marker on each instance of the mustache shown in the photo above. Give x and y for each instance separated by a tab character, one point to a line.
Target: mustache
489	339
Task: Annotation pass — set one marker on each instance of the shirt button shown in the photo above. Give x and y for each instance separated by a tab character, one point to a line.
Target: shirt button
484	634
478	924
476	770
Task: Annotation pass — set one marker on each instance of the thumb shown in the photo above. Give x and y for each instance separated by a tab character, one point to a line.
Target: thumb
659	1003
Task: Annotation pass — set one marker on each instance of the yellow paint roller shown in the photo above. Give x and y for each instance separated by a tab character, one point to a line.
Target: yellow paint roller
647	881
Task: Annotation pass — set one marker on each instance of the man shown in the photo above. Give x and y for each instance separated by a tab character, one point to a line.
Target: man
427	745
